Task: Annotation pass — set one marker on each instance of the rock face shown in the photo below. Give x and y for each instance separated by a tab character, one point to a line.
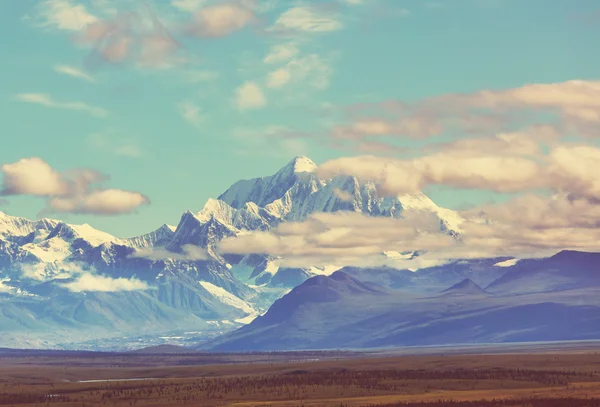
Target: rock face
82	282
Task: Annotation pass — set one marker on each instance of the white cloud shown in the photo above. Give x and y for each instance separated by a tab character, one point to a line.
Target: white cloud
74	72
348	238
569	107
100	202
281	53
250	96
47	100
71	191
306	19
32	176
310	70
65	15
528	226
191	113
220	20
138	37
278	78
495	173
98	283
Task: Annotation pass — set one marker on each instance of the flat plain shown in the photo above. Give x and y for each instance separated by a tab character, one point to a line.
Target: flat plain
555	378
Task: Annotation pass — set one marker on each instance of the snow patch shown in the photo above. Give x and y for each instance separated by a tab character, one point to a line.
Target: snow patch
227	298
247	320
326	270
93	236
507	263
49	251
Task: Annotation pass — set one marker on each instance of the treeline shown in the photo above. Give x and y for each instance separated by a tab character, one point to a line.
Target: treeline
295	385
524	402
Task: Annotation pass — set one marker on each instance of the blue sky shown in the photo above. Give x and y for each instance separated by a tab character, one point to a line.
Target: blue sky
240	96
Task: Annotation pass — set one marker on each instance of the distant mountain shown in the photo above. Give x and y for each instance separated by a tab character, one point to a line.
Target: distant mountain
566	270
337	312
432	280
465	287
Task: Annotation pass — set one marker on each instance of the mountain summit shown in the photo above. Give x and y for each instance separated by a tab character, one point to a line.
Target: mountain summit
465	287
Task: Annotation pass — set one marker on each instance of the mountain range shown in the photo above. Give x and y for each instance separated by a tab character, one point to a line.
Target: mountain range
72	286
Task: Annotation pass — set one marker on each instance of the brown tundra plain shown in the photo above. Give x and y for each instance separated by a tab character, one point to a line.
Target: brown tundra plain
300	379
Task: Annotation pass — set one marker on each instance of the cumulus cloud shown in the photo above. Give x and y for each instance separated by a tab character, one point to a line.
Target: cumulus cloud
568	107
32	176
46	100
74	72
191	113
65	15
220	20
311	70
99	202
281	53
137	36
495	173
306	19
278	78
250	96
502	164
75	191
99	283
189	253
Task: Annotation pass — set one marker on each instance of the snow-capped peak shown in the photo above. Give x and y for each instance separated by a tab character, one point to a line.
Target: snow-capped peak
93	236
17	226
303	164
421	202
214	207
291	170
160	237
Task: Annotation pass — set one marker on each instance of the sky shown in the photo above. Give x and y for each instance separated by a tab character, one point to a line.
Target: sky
124	114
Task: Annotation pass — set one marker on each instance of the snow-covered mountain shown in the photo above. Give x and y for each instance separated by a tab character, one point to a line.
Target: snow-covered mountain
74	279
